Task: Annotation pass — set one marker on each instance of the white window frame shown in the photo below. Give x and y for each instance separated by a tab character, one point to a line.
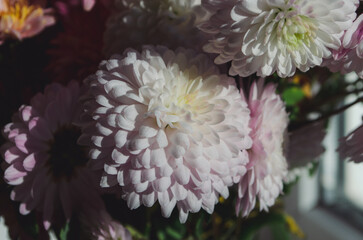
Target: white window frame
318	223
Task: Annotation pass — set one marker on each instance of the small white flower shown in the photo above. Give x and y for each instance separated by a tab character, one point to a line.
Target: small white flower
267	36
167	127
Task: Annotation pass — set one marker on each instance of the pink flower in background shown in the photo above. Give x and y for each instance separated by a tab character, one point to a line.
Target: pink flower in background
19	19
263	37
65	6
349	57
267	166
44	163
88	4
351	146
167	127
99	225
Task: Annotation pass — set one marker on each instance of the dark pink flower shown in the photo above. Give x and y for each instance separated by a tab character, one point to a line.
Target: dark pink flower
44	163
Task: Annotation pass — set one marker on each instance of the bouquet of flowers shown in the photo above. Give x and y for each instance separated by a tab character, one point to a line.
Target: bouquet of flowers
168	119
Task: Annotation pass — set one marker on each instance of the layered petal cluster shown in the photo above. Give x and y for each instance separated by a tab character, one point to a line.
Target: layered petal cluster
44	163
167	127
267	164
264	36
19	19
351	146
349	57
170	23
100	226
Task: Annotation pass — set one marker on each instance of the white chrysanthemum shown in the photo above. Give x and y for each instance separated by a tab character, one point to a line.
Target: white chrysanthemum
166	22
167	127
267	164
265	36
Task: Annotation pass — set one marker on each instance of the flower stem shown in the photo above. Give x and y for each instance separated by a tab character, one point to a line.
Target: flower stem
326	116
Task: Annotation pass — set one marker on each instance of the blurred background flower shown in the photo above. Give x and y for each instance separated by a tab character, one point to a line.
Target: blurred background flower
158	22
21	19
267	165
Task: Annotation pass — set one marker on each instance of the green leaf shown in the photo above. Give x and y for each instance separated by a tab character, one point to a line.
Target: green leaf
199	227
64	232
314	168
279	231
161	235
134	232
173	233
292	95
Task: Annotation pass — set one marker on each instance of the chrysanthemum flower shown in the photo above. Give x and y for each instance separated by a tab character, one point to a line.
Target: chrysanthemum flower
264	37
99	225
45	164
167	127
267	164
136	23
349	57
351	146
19	19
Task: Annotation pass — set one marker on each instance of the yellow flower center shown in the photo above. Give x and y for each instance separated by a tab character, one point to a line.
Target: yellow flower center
13	15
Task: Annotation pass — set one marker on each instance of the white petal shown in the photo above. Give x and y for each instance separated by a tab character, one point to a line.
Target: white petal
161	184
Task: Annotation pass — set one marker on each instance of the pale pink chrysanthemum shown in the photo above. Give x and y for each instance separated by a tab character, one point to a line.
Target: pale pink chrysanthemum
267	166
45	164
157	22
349	57
263	37
351	146
19	19
167	127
